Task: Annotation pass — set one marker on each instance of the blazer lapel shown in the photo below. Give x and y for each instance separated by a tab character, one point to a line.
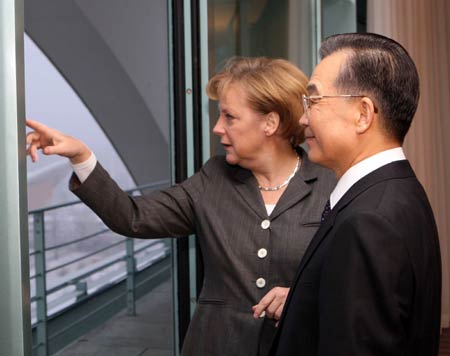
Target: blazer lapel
315	242
298	187
247	187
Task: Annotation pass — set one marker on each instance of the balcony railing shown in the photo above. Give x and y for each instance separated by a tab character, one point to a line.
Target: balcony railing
71	271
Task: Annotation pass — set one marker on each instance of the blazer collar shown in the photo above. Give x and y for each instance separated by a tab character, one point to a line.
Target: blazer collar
297	189
247	187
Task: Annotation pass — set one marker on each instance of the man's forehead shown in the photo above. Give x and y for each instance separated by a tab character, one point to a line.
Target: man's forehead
325	73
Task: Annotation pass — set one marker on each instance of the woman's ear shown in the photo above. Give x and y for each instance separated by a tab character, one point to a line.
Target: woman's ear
366	115
272	123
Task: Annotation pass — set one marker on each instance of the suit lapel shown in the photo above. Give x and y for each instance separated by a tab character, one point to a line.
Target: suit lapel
314	244
394	170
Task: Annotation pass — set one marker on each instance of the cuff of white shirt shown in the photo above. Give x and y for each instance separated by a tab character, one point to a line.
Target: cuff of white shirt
84	169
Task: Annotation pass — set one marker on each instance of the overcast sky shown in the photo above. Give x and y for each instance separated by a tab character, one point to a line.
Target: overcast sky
49	99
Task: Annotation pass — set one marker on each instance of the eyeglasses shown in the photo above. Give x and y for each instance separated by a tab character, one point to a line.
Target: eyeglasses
309	101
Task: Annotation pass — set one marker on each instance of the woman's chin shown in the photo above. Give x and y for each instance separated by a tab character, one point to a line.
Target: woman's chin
231	159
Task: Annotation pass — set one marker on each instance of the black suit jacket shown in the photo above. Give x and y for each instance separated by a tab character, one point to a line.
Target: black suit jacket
370	281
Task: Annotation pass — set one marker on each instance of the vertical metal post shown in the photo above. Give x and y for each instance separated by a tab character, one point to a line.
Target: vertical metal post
180	247
204	76
191	142
41	285
81	287
317	30
131	283
15	323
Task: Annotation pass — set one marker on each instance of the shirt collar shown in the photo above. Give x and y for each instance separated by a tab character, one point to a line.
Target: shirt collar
363	168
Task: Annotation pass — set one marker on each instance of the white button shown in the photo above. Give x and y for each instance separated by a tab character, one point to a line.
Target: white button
263	314
265	224
260	282
262	252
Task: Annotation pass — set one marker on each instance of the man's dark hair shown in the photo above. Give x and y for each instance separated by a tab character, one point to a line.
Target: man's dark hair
382	69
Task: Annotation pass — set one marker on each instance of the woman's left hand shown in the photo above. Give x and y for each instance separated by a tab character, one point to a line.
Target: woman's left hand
272	303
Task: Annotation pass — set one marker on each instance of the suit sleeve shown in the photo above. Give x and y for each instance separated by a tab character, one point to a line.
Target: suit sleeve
366	290
166	213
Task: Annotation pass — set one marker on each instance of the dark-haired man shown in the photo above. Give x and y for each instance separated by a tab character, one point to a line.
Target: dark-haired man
370	281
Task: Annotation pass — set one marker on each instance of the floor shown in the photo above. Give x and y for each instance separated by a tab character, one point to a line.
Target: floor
149	333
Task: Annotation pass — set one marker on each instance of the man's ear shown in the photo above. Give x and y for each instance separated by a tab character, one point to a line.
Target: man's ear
272	123
366	115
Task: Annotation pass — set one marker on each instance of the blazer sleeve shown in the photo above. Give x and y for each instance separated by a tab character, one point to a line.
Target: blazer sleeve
366	290
166	213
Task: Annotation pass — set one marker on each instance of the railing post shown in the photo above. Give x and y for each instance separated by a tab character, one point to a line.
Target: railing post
131	283
81	287
41	295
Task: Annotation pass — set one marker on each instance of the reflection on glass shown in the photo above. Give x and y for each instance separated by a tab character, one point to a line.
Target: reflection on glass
338	16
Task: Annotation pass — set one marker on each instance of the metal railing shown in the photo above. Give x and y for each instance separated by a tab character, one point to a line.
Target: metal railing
80	276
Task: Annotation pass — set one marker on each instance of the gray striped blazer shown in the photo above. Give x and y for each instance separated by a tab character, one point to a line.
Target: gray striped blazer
222	205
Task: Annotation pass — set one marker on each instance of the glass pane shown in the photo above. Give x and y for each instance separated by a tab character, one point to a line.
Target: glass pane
99	71
338	16
51	99
271	28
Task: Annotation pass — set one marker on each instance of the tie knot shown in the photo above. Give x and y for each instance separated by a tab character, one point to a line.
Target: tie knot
326	211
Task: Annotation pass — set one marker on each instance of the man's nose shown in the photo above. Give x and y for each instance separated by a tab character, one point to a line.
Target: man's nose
303	120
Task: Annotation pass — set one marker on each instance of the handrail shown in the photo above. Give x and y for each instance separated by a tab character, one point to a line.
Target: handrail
71	243
80	278
99	267
84	238
84	257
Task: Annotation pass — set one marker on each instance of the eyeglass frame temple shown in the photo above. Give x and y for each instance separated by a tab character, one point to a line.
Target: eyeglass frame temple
306	98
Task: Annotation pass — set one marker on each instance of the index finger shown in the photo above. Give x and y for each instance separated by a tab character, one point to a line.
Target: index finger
264	303
35	125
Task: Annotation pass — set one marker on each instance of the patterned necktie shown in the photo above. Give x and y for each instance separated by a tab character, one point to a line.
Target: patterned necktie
326	211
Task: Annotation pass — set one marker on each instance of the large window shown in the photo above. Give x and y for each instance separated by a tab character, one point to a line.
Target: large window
99	71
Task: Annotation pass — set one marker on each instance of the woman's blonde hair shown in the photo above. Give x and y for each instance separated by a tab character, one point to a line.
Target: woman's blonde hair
270	85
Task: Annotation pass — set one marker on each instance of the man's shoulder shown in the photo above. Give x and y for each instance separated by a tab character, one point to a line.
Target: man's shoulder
399	202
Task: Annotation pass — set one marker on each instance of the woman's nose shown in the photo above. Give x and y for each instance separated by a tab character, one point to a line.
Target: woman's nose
218	127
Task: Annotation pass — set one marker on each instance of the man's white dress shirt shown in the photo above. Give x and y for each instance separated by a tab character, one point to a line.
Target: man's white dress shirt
363	168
